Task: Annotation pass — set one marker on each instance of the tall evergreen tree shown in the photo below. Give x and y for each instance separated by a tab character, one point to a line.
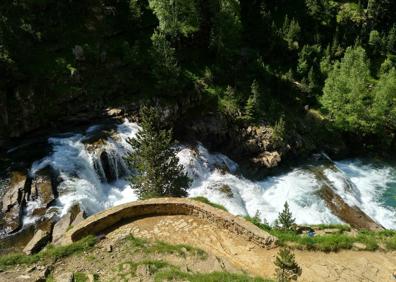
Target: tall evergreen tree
153	158
347	95
285	218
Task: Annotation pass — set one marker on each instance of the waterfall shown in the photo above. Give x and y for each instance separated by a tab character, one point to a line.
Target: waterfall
94	174
86	169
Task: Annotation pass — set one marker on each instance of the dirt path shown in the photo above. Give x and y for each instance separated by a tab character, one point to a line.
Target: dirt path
317	266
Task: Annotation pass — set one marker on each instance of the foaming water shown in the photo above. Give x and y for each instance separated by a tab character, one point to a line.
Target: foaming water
94	176
376	184
82	172
244	197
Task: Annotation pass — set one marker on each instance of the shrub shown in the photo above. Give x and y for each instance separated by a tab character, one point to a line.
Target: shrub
287	267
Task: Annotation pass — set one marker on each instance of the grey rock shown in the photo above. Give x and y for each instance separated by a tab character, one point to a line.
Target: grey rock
13	202
39	240
63	224
43	187
64	277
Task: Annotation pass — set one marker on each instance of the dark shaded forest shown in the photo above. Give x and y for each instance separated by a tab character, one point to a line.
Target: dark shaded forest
258	61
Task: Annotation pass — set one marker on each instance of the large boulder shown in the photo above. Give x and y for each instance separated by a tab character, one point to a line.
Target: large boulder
74	215
14	201
39	240
44	187
268	159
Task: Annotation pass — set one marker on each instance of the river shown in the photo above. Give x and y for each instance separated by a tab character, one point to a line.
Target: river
94	175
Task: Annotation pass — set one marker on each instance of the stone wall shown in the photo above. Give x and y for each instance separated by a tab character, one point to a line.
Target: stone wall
99	223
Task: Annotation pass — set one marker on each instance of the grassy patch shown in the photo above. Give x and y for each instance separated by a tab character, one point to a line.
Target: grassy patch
127	270
160	247
56	252
206	201
163	271
340	227
331	242
80	277
50	252
177	275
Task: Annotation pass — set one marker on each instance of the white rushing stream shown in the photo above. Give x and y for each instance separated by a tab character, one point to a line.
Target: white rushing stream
216	177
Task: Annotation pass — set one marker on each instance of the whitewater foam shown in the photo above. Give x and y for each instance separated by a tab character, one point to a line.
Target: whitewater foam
216	177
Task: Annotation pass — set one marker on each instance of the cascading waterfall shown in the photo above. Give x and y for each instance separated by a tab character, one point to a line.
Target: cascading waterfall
94	175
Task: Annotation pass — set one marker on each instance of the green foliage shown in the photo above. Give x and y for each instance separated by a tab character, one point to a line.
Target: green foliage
176	275
226	30
256	220
391	40
160	247
157	171
129	268
252	107
291	31
279	132
350	12
287	267
50	252
177	16
375	41
341	227
206	201
384	109
57	252
347	92
331	242
179	49
165	69
80	277
285	218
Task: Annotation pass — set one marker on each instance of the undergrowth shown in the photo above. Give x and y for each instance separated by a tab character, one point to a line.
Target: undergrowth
340	240
51	252
165	248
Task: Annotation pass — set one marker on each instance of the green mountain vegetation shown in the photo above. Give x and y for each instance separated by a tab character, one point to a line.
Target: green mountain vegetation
253	61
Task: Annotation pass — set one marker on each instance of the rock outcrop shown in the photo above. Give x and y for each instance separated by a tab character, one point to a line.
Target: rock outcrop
14	201
39	240
43	187
74	216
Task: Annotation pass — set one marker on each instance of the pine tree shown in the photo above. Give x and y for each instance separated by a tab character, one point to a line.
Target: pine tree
285	218
153	158
287	267
252	104
165	68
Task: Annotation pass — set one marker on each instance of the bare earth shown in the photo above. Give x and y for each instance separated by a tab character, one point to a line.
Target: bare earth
226	252
317	266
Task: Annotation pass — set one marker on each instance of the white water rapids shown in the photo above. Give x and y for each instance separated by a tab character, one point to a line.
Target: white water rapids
215	177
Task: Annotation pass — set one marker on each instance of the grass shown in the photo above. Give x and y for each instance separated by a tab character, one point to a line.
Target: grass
163	271
340	227
331	242
50	252
128	269
206	201
160	247
80	277
177	275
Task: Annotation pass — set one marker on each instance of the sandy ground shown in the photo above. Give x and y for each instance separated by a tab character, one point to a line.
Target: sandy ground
317	266
226	252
